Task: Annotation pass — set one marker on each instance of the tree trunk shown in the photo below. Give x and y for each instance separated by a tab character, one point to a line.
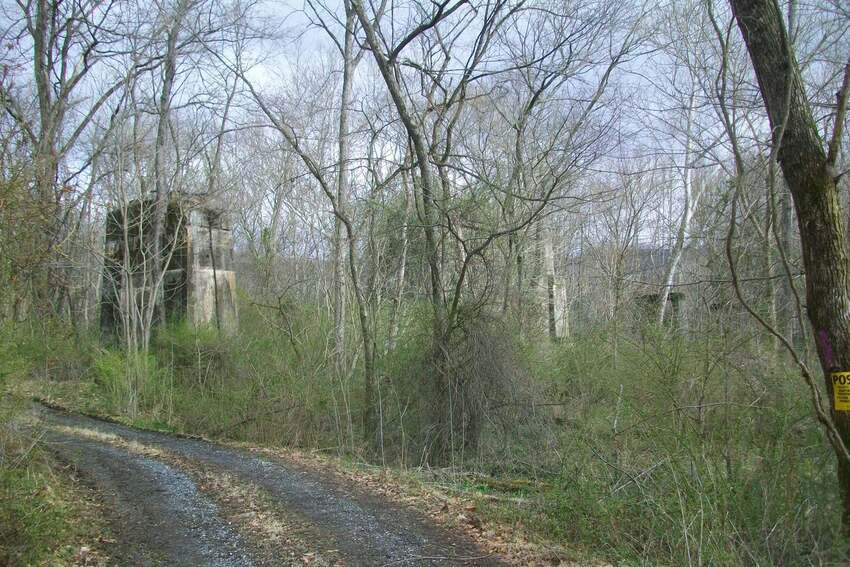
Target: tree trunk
51	113
553	309
691	199
341	196
430	223
787	314
768	259
809	173
516	185
399	287
155	301
212	189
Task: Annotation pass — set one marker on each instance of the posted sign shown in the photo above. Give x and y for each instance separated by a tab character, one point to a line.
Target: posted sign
841	390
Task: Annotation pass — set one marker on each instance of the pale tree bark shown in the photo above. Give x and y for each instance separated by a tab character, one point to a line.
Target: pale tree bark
513	260
784	231
554	304
344	239
349	64
517	186
402	267
690	201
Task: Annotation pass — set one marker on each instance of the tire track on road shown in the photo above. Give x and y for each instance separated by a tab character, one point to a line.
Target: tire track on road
366	531
160	515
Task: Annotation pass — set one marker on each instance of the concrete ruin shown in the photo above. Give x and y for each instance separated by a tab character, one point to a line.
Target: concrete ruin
639	271
199	283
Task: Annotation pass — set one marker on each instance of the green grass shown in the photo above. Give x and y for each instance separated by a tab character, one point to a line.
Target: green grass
43	515
32	518
41	521
685	450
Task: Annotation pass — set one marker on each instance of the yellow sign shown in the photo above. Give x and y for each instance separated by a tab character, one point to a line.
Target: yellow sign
841	390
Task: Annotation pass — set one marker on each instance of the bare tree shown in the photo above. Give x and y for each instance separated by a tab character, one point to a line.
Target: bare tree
68	47
433	132
809	167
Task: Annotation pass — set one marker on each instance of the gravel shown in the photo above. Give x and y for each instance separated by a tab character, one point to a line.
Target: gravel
365	530
160	515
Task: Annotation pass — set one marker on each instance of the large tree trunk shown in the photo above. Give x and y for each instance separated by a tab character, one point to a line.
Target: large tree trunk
811	180
45	283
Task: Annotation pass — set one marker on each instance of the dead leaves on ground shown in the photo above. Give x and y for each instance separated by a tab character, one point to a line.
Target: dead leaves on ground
451	510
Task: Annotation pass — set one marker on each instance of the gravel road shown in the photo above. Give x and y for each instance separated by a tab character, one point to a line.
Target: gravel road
162	518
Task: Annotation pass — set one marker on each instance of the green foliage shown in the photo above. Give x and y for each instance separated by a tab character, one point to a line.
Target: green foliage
25	223
488	396
42	349
30	520
685	449
639	444
127	383
13	362
266	384
36	510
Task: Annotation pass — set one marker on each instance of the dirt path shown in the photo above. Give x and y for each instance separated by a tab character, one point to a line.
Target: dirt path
161	509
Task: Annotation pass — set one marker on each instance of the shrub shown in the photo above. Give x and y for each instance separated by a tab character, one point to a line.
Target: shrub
488	397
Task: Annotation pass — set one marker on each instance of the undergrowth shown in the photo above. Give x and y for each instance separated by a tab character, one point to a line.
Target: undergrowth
655	446
39	513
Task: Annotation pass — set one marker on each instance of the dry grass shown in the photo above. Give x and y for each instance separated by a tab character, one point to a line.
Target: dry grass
447	507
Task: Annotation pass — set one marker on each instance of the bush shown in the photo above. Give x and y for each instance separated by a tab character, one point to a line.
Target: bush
685	449
644	444
127	383
269	384
487	400
14	364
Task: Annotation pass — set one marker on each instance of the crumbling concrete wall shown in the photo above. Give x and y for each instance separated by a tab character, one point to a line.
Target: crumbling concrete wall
211	281
199	283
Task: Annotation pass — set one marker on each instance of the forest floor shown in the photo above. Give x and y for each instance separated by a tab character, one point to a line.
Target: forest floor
172	500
